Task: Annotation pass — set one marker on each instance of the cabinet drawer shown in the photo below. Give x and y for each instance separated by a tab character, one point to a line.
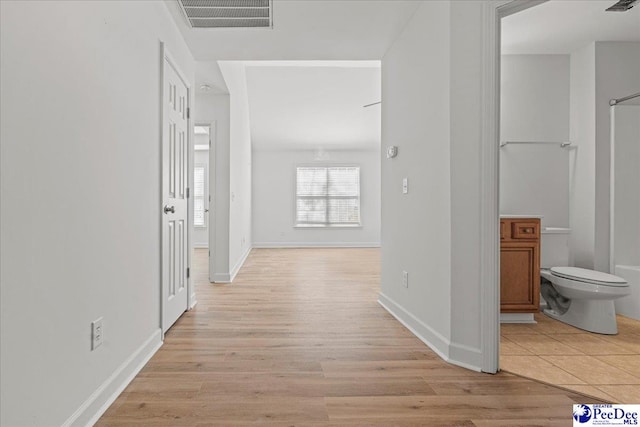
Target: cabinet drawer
525	230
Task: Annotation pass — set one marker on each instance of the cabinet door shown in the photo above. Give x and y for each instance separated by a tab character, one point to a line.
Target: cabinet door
519	277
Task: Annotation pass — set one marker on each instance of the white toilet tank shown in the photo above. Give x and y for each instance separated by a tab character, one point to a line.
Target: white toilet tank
554	251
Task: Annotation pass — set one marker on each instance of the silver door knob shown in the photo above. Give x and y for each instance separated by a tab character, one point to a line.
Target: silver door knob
168	209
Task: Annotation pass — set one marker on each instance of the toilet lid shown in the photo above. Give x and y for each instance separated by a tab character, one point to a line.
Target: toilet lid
588	276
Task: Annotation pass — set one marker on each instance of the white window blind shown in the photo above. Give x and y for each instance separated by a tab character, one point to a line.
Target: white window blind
327	196
199	219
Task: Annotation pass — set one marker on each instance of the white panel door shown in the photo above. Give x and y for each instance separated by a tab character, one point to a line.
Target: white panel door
175	151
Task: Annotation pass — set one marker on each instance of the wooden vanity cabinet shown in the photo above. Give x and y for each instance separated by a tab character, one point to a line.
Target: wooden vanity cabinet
519	265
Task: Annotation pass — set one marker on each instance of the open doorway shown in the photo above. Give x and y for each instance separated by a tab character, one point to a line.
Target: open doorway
557	79
201	197
294	160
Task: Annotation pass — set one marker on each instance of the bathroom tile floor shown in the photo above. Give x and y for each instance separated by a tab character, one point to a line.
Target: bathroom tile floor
602	366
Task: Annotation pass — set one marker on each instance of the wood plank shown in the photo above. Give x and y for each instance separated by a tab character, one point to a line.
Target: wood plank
299	339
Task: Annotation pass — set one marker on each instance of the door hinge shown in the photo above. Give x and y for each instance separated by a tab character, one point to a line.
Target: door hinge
209	198
188	273
188	113
187	192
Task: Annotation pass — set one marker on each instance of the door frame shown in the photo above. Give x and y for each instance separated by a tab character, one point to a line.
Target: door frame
165	56
213	129
492	14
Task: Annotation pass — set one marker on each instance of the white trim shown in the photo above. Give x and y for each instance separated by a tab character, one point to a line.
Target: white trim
517	318
200	245
99	401
492	12
436	342
466	357
230	277
221	278
489	191
211	200
240	263
275	245
612	188
456	354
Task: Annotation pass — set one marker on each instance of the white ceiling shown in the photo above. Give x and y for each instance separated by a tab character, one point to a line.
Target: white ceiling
563	26
313	106
305	30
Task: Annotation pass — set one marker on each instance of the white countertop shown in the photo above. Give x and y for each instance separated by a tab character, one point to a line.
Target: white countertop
520	216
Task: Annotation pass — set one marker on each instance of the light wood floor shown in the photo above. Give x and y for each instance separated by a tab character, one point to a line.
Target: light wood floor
299	339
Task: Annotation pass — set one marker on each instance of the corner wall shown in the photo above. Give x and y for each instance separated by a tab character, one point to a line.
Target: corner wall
416	226
80	201
617	74
583	174
466	127
239	166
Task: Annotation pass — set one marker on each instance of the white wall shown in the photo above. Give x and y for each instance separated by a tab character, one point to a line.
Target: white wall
239	165
583	175
80	199
534	106
617	74
209	109
627	178
599	72
466	107
201	157
416	226
274	200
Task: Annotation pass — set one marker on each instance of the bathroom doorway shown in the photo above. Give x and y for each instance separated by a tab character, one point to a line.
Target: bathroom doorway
557	79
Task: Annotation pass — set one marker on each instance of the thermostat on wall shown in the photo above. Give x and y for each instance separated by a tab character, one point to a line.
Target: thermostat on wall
392	151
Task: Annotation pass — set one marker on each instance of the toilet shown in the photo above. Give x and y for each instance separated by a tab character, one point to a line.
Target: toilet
580	297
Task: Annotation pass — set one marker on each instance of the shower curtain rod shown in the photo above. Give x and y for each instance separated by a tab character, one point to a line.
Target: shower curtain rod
626	98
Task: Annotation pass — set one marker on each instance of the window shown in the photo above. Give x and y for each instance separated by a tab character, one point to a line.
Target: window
327	196
199	182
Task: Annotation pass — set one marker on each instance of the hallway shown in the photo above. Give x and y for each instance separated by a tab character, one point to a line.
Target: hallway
299	339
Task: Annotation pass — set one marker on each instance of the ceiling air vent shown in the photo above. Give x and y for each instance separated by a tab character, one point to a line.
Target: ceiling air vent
622	6
227	13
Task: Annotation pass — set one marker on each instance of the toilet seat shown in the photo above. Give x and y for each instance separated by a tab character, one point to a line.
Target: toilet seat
588	276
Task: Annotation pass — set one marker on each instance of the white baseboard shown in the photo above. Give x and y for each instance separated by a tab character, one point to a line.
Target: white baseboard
201	245
228	277
92	409
240	263
277	245
517	318
457	354
221	278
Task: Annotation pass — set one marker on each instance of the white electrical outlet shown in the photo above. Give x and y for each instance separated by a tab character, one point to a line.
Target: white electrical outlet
405	279
405	185
96	333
